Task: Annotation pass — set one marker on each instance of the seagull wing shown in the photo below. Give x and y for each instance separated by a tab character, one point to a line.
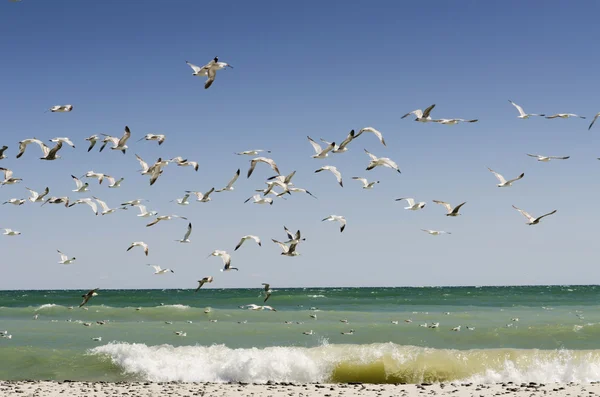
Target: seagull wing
125	137
142	163
63	257
156	268
549	213
427	111
517	178
362	180
212	73
78	183
500	177
457	208
594	120
337	174
232	181
102	204
519	108
348	139
418	113
195	68
445	204
559	157
409	200
189	231
372	156
315	145
281	245
525	214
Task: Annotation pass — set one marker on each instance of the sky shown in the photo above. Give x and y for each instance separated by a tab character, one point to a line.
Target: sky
301	69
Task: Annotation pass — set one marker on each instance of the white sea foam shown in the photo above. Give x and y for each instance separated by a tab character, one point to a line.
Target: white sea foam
177	306
317	296
47	306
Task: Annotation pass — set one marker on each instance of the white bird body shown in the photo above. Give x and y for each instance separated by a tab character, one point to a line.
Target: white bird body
334	171
229	186
504	182
10	232
97	175
112	183
210	70
287	250
412	205
183	200
342	147
454	121
337	218
93	139
64	259
105	208
15	201
381	161
159	271
139	244
144	213
530	219
522	114
181	162
63	140
365	182
8	177
121	142
186	237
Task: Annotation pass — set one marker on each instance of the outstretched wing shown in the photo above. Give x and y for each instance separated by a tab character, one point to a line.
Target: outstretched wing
525	214
497	175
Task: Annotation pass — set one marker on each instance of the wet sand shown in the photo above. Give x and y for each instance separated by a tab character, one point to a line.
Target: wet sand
178	389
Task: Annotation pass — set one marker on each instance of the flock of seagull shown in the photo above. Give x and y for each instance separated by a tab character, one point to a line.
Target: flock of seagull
277	186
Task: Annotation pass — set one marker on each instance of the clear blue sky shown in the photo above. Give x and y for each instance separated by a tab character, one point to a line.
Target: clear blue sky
305	68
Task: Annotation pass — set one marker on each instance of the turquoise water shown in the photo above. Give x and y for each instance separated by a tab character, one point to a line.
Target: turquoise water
556	336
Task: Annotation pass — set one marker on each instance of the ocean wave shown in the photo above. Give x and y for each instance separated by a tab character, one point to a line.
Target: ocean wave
317	296
48	306
373	363
177	306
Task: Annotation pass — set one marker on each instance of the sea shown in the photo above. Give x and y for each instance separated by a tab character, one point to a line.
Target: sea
326	335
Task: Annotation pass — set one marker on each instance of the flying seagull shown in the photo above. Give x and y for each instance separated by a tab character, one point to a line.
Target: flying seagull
164	218
88	295
254	152
248	237
139	244
158	270
81	187
454	121
342	147
504	182
36	197
260	200
265	160
334	171
57	200
320	153
87	201
63	140
412	205
112	183
210	70
522	114
186	237
105	208
160	138
267	291
594	120
451	211
337	218
51	154
374	131
435	232
183	200
422	116
120	143
60	108
381	161
15	201
366	184
8	177
229	186
2	150
26	142
92	140
530	219
226	260
564	116
202	197
65	260
204	280
10	232
545	159
181	162
287	250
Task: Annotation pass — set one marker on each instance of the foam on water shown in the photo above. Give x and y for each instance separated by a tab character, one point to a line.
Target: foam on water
373	363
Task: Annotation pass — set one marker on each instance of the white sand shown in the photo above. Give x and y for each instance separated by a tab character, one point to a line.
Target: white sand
174	389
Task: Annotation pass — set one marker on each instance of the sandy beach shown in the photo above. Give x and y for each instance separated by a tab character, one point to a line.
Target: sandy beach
143	389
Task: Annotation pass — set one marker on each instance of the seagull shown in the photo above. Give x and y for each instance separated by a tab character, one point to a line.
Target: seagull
267	291
105	209
112	183
88	295
15	201
320	153
435	232
456	328
81	187
183	200
202	197
133	203
342	146
205	280
87	201
121	143
144	213
293	238
547	158
308	332
60	108
57	200
530	219
374	131
158	270
337	218
293	189
366	184
334	171
108	139
64	260
593	121
97	339
422	116
229	186
255	152
10	232
154	137
164	218
97	175
454	121
412	206
210	70
265	160
186	237
351	332
522	114
287	250
63	140
504	182
51	154
139	244
2	150
8	177
36	197
381	161
248	237
92	140
226	260
181	162
180	333
451	211
564	116
25	142
260	200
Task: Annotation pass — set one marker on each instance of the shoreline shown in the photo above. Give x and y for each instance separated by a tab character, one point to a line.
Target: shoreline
288	389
